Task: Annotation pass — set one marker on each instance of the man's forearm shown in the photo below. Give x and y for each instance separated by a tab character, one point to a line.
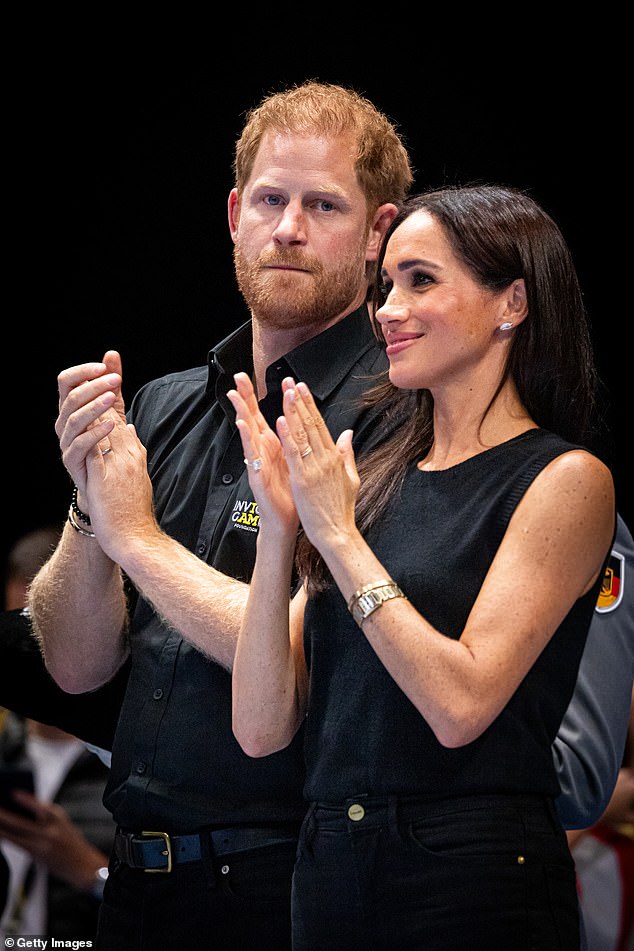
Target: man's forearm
202	604
78	610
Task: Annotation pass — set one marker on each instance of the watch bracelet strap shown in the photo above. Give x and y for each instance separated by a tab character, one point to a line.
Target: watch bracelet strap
366	601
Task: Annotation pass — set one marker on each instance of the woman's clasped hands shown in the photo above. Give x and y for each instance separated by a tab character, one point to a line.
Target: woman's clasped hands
297	472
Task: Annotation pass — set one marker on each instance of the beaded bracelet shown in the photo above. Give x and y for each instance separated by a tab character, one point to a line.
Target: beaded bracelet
76	509
81	531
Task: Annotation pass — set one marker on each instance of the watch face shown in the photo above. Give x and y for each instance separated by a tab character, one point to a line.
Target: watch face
368	602
371	600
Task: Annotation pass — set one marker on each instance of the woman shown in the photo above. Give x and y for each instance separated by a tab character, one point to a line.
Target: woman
434	644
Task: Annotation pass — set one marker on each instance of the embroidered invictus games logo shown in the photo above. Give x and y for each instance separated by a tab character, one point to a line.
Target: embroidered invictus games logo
611	592
245	516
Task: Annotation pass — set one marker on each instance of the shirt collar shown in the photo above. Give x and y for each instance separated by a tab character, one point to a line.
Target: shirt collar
321	362
325	360
231	355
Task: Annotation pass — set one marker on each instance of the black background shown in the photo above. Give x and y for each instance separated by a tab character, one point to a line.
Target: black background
120	166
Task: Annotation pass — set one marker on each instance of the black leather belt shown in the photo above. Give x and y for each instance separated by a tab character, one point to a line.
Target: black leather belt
160	852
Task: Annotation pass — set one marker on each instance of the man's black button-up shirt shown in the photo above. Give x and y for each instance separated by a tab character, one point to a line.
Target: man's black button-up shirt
176	764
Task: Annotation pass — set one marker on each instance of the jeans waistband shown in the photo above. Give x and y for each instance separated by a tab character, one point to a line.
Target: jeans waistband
368	810
160	851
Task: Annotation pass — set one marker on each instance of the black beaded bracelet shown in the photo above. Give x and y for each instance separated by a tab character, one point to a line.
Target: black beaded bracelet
76	509
86	532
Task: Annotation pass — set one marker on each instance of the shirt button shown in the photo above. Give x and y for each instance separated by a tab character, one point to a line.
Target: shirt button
225	869
141	768
158	693
227	478
202	548
356	812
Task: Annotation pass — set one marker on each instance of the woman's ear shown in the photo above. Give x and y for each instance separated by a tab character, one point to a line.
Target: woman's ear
516	308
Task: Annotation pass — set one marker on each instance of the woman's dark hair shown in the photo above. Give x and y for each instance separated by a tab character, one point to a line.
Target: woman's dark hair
500	234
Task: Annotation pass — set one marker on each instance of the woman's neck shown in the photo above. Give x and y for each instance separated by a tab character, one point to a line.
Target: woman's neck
464	429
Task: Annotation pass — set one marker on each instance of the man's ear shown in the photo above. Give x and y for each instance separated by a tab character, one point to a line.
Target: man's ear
381	221
233	210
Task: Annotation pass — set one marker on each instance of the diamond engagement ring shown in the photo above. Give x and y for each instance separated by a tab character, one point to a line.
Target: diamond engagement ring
256	465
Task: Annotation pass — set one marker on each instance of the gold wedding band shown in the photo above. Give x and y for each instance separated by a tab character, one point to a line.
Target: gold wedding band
306	452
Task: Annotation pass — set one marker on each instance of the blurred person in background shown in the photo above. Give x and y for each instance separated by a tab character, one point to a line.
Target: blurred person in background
604	862
56	839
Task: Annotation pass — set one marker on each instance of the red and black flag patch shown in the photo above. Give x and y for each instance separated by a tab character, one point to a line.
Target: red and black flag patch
611	592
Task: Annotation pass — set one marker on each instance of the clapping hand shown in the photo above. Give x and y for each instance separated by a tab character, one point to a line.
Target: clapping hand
264	457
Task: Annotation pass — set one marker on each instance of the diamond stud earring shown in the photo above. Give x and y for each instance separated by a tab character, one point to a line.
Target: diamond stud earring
506	325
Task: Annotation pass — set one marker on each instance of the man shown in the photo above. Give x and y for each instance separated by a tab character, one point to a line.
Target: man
299	219
604	863
592	737
317	169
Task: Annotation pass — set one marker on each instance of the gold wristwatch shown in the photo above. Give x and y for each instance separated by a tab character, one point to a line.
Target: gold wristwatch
368	599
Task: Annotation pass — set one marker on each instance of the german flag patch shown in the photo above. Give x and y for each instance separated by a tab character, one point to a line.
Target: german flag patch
611	592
